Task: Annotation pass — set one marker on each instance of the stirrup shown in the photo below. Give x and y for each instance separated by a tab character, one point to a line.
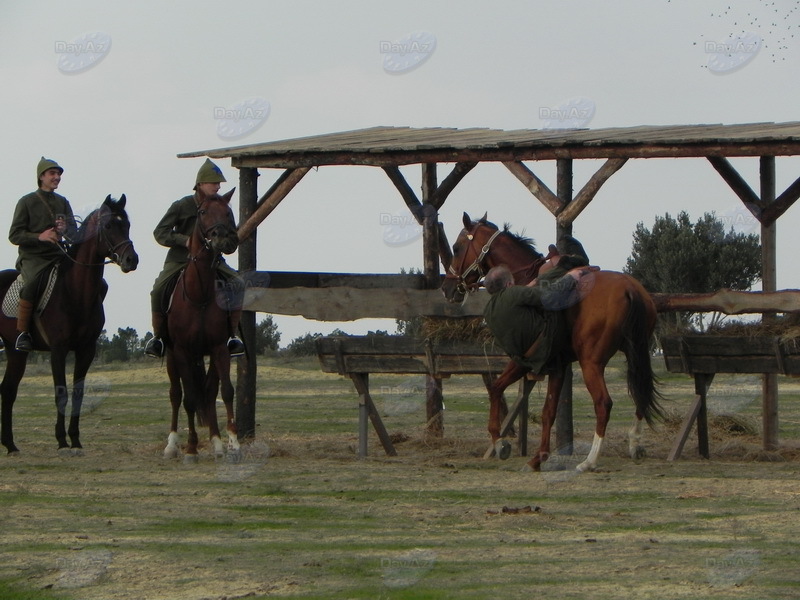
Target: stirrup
154	348
235	346
24	342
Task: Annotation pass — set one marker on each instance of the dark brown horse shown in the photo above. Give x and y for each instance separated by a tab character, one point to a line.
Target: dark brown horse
615	313
72	320
198	327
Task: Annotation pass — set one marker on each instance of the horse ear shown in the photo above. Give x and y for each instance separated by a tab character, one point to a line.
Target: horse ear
466	220
122	201
484	217
227	197
107	200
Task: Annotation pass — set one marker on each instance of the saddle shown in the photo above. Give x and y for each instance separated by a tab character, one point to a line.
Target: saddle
10	303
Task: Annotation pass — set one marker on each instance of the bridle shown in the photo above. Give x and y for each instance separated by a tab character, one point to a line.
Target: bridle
112	251
206	233
462	287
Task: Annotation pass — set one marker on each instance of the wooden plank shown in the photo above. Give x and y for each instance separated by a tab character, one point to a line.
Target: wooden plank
731	302
348	304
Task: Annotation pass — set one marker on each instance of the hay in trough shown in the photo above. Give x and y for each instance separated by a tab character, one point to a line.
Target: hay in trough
463	329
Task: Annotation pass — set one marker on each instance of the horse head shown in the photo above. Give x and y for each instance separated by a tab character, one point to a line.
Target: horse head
216	224
105	234
470	251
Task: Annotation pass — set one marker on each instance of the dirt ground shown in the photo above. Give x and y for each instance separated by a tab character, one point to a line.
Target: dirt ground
299	515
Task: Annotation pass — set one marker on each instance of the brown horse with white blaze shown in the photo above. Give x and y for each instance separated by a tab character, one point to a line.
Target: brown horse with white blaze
615	313
197	327
72	320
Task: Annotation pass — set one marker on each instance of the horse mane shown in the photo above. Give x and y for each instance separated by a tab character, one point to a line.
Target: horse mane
520	239
83	228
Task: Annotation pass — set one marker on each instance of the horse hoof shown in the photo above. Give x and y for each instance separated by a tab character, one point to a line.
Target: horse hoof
77	451
170	453
638	453
190	459
502	448
65	451
14	452
233	457
526	468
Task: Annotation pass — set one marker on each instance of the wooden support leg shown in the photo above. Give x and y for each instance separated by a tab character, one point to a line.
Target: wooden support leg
698	412
366	408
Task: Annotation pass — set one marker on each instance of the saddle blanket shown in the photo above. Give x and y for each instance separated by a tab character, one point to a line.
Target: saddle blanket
11	299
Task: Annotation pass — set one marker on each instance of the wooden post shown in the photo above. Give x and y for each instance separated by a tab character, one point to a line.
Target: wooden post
769	383
246	367
564	431
430	256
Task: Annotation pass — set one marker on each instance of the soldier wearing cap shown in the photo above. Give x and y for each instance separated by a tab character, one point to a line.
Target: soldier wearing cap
174	231
42	221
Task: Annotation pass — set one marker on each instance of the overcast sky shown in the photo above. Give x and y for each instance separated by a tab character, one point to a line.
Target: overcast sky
113	91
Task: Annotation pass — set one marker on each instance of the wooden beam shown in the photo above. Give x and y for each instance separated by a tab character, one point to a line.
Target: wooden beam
269	203
443	190
408	195
349	304
589	191
518	154
536	186
730	302
774	210
731	176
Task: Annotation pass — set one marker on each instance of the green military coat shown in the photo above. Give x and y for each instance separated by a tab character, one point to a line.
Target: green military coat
35	213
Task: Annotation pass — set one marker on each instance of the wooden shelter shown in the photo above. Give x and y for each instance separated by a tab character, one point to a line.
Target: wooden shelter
389	148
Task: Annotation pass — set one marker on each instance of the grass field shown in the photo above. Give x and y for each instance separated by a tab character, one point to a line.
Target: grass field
302	517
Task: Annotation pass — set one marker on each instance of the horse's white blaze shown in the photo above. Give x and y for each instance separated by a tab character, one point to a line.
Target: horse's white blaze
171	451
635	437
591	461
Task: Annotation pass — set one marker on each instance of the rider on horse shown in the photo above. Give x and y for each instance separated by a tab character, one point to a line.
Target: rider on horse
41	220
174	232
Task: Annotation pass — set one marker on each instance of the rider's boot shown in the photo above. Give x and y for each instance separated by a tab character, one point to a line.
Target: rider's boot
24	341
235	344
155	346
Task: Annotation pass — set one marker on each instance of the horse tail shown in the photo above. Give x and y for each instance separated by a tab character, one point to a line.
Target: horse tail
642	382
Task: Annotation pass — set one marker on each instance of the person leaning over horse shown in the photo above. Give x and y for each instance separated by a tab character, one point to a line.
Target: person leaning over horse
525	320
42	221
174	231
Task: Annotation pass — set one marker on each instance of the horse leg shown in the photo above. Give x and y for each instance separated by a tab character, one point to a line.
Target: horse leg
15	369
210	398
172	449
221	361
58	366
593	376
555	382
83	360
513	372
188	372
635	447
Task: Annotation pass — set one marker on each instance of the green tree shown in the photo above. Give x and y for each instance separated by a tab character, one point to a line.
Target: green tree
267	335
677	256
123	346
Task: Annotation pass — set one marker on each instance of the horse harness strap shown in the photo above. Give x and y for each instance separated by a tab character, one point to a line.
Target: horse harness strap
476	265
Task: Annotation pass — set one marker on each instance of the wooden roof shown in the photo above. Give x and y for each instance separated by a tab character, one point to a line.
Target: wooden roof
383	146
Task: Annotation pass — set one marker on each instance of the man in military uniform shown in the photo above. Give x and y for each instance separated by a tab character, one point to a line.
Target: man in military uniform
174	231
42	221
525	320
